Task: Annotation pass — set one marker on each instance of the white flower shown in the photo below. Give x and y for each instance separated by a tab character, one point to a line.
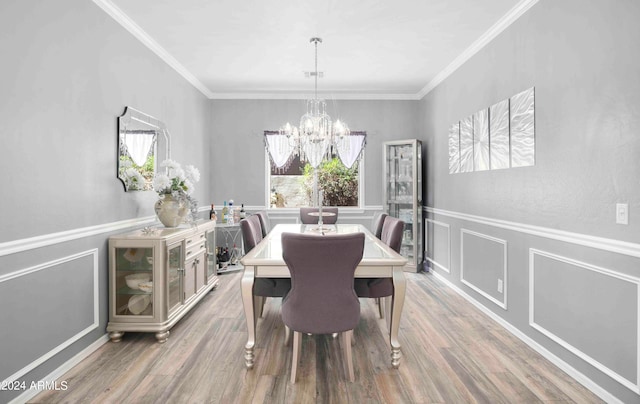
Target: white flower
177	172
134	179
171	164
177	181
188	187
192	174
162	183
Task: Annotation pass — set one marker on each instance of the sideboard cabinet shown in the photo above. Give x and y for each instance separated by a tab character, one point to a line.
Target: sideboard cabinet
157	275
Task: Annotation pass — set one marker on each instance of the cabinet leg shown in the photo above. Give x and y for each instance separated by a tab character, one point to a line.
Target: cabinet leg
162	336
116	336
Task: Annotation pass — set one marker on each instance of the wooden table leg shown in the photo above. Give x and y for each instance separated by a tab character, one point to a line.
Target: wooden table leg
248	278
397	302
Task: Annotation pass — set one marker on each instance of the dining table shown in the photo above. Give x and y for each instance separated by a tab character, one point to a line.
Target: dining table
378	261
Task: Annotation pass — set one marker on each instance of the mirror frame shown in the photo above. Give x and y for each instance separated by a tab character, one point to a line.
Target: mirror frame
144	123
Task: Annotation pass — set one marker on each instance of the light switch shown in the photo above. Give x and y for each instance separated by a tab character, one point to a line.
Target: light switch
499	285
622	213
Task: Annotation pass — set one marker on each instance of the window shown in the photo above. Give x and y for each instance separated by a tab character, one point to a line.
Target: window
292	187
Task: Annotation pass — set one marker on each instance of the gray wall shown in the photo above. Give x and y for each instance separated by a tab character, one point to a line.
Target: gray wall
238	147
68	70
571	272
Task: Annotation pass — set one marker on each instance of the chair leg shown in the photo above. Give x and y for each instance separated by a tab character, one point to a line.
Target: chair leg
287	335
297	347
264	299
347	337
380	307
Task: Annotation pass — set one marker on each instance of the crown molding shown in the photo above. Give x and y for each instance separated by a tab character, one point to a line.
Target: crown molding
503	23
117	14
304	96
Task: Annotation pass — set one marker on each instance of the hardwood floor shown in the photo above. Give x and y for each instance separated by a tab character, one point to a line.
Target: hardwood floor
452	353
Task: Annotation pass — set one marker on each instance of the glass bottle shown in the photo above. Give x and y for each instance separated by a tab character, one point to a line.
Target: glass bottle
225	213
235	255
230	212
212	213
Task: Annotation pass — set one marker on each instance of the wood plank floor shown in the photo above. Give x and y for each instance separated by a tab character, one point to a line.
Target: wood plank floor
452	353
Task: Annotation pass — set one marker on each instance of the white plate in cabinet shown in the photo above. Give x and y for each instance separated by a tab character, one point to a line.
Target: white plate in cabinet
156	277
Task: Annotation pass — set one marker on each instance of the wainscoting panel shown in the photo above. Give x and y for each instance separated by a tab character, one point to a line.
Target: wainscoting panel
52	304
439	246
574	298
483	265
599	324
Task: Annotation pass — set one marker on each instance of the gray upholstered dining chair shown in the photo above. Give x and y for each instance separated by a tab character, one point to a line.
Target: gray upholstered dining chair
376	225
321	299
378	288
306	216
264	222
262	287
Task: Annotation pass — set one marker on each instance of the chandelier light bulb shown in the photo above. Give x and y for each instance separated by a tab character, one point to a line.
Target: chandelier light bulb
340	129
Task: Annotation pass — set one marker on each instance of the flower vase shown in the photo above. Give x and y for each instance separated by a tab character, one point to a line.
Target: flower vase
171	211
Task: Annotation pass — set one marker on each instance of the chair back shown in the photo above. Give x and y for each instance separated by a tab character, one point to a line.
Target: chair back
251	232
377	223
264	222
321	299
391	234
307	218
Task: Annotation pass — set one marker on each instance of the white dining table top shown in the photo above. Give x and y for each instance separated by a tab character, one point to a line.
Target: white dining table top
269	250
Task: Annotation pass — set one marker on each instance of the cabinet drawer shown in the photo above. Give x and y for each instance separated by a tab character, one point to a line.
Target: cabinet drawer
194	245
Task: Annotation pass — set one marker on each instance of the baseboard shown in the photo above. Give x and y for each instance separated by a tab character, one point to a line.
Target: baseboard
568	369
64	368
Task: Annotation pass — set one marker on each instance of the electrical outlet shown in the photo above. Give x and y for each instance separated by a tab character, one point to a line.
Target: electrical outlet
499	285
622	213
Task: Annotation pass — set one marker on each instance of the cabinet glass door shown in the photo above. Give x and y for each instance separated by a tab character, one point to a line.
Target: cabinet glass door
134	281
175	271
211	255
403	194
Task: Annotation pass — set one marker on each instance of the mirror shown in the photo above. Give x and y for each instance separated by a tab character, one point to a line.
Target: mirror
143	141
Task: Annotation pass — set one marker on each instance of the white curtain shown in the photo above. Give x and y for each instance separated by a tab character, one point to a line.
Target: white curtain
138	146
349	148
280	148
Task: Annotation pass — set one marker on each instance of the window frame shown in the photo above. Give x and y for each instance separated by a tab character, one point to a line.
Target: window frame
361	188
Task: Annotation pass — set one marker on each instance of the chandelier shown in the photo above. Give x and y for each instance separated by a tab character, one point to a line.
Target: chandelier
316	137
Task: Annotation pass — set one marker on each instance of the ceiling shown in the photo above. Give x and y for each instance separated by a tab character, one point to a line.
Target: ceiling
376	49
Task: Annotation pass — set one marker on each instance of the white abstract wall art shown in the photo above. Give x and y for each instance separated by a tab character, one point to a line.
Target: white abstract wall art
522	111
499	137
454	148
499	130
481	140
466	145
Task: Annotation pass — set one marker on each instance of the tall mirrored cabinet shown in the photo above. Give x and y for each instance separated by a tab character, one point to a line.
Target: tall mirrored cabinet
403	195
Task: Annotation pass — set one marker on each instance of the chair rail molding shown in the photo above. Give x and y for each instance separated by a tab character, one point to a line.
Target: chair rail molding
25	244
601	243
